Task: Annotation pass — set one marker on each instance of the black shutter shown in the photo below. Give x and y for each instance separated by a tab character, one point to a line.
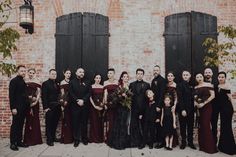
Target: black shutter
178	43
203	26
184	35
82	41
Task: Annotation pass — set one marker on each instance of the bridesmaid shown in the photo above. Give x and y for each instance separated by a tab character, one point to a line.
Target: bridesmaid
110	87
172	91
223	98
32	135
96	111
66	129
204	94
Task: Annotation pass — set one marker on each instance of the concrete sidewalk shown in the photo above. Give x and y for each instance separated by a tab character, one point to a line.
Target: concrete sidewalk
96	150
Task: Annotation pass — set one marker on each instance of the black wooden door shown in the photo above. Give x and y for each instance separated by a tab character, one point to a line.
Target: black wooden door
95	44
82	41
184	35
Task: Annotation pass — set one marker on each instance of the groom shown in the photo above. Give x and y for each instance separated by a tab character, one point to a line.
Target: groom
138	88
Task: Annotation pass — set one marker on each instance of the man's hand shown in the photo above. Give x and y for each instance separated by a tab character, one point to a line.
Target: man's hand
140	116
81	102
158	109
157	120
14	111
184	113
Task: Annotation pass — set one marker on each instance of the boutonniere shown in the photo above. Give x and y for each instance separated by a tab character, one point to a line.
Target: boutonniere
83	84
155	82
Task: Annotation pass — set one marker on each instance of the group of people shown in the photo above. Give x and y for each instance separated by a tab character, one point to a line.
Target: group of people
90	114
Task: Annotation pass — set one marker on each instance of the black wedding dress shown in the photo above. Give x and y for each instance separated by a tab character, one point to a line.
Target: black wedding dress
120	131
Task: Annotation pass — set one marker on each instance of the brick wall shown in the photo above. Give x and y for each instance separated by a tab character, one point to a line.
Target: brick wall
136	28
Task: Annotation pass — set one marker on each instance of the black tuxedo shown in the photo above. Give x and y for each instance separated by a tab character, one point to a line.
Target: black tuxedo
50	97
79	89
19	101
185	102
139	100
150	116
158	86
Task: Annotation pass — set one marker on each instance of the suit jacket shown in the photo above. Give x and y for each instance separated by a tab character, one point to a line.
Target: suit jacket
79	89
50	94
18	94
185	97
139	99
158	86
151	114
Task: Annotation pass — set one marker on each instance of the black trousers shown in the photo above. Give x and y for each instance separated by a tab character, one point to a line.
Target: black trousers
149	132
80	122
159	135
17	126
52	118
186	127
214	120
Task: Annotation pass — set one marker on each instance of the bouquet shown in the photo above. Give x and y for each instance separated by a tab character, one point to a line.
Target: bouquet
123	96
100	104
198	100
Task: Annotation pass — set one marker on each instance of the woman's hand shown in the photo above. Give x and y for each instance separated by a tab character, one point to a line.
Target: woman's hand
174	126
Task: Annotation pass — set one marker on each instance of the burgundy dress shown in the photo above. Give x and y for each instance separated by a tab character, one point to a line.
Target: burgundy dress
32	135
66	129
205	136
111	109
173	93
96	117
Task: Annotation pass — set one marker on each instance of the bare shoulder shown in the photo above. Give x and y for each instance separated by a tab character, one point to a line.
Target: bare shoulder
208	85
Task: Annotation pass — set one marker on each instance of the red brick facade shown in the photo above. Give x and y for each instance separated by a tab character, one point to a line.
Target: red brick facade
136	29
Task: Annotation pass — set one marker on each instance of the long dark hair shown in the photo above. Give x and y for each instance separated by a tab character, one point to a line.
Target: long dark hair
120	81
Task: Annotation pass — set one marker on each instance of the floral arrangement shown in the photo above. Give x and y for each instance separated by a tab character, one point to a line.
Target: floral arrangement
122	96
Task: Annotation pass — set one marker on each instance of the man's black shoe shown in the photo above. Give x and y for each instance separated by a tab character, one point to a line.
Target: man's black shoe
159	145
182	146
21	144
85	142
192	146
76	143
14	147
57	140
50	143
141	146
151	146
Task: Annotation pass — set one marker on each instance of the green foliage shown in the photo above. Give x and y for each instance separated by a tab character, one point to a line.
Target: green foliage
218	53
8	37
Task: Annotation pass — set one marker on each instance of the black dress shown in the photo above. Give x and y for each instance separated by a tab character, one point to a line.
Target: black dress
168	128
226	141
119	138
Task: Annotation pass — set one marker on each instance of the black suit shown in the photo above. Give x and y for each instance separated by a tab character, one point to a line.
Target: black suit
185	102
158	86
50	97
19	101
79	89
139	100
150	116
